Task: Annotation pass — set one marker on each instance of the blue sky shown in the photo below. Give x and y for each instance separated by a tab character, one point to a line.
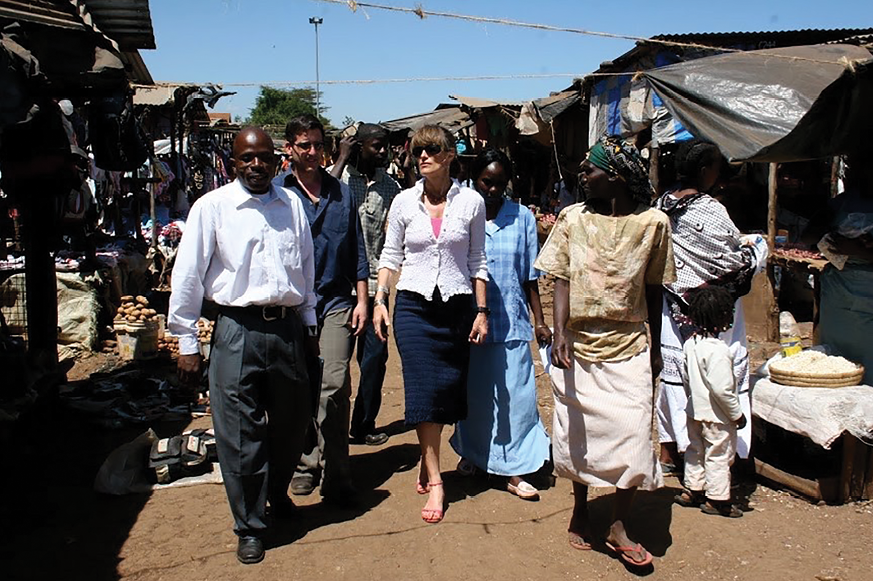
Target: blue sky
264	41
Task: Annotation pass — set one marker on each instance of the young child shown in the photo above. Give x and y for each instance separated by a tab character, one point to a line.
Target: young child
714	412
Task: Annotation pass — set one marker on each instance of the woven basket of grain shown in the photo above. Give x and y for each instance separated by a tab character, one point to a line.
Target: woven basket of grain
817	379
811	368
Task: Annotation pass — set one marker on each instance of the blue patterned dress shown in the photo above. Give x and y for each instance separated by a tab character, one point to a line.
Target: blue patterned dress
503	433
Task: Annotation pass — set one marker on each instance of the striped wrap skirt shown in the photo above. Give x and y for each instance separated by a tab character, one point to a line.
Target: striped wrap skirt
603	428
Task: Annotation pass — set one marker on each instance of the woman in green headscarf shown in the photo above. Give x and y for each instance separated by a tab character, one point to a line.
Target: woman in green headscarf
611	255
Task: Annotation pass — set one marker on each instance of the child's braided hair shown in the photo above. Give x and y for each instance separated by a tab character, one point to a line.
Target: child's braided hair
711	308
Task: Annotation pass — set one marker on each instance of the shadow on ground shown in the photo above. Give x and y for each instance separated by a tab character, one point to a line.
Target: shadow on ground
54	525
649	524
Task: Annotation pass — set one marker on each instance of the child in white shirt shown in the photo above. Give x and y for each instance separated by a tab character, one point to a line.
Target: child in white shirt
714	412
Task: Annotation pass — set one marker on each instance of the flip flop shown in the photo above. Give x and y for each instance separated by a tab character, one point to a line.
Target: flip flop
578	541
623	553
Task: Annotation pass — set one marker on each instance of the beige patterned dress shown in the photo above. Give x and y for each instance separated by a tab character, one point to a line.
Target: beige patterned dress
604	405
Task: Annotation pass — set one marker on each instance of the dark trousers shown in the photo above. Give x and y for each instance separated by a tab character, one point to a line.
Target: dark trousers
372	357
261	407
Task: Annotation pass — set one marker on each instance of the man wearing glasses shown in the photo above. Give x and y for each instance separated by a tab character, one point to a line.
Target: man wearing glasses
247	248
361	167
341	273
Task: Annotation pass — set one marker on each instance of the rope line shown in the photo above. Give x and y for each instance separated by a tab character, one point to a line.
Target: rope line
422	14
405	80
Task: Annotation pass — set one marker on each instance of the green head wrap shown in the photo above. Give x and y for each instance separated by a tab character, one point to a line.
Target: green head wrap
615	157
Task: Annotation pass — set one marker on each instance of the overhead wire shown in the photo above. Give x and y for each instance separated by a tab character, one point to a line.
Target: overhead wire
405	80
421	13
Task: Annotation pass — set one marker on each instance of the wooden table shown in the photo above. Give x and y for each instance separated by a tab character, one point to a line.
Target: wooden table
840	467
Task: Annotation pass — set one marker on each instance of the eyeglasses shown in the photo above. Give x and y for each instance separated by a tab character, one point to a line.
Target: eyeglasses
306	145
431	150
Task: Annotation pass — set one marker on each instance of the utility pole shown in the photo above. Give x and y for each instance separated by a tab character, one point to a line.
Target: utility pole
316	22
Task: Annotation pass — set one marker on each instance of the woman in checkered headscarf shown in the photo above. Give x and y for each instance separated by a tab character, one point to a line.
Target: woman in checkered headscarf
709	250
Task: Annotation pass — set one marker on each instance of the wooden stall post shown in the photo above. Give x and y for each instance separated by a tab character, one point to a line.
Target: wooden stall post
654	169
41	285
154	240
771	206
772	182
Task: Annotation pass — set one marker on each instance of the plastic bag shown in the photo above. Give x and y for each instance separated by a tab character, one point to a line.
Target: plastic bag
789	334
124	470
759	247
855	225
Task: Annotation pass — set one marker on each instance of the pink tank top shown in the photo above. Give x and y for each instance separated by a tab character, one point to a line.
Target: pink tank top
436	224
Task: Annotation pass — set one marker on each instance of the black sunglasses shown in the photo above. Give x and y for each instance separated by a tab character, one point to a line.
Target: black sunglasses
430	149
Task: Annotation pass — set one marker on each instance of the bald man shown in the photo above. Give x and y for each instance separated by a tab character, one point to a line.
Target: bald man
247	247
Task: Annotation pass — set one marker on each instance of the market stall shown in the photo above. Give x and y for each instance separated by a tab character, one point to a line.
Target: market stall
774	106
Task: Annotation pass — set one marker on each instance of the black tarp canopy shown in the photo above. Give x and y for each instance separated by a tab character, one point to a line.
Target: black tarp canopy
774	105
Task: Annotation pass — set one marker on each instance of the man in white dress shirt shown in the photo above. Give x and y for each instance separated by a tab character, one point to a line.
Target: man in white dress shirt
247	247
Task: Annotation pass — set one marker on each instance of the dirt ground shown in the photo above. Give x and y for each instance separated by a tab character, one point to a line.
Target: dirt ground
54	527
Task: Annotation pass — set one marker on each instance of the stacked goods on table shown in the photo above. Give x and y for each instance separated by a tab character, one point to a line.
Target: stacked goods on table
136	328
204	333
169	343
135	310
812	368
797	251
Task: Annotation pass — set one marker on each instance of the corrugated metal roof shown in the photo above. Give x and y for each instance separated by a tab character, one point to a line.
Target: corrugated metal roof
161	94
809	35
742	40
128	22
137	71
553	105
45	12
452	118
477	103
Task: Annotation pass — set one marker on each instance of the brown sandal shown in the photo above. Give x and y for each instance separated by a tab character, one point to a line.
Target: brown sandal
721	508
690	498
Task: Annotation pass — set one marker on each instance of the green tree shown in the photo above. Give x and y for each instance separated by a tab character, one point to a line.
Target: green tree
277	106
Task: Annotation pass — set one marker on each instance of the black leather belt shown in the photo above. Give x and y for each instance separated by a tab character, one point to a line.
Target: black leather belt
267	312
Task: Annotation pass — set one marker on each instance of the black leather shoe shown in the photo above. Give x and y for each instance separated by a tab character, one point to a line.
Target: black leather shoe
376	439
303	484
250	550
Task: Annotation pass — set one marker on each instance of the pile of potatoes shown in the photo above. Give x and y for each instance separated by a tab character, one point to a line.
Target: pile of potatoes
169	343
204	330
135	309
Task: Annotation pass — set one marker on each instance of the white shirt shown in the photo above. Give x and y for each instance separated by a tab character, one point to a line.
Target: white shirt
447	262
709	380
241	249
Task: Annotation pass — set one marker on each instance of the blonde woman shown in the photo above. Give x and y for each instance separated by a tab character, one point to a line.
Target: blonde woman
436	234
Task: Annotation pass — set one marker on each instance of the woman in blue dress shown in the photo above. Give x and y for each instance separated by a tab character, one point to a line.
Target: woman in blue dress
503	434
